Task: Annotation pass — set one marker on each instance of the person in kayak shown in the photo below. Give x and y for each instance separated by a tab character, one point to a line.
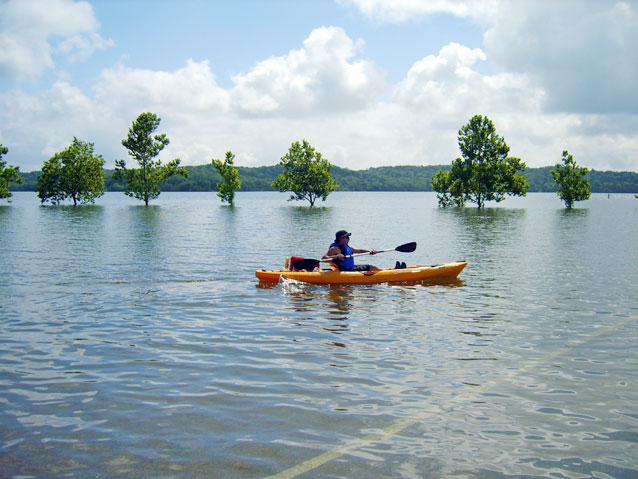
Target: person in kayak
341	254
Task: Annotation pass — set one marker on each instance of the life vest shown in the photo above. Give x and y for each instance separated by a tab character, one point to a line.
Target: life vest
348	262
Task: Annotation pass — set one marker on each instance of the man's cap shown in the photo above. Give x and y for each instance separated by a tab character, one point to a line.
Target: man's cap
340	234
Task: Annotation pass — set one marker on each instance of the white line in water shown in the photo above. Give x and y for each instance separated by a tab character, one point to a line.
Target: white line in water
401	424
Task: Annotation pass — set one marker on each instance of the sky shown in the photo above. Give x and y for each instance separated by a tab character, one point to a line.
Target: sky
367	82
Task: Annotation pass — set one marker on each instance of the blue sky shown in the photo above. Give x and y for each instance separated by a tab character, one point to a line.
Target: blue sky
367	82
235	35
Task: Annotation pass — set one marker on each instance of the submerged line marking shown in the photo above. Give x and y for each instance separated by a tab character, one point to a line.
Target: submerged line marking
401	424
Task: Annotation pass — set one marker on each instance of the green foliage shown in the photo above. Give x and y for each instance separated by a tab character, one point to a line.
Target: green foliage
485	173
49	182
613	181
229	173
306	174
144	183
7	174
540	179
76	173
571	181
385	178
449	186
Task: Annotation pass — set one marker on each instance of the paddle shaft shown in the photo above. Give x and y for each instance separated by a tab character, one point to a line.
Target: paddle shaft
404	248
361	254
307	263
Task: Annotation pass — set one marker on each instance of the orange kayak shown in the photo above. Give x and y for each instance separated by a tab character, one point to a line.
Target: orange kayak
388	275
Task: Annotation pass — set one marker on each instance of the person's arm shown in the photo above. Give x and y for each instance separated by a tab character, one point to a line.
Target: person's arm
333	253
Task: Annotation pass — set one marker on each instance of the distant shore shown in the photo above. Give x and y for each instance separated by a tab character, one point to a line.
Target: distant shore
385	178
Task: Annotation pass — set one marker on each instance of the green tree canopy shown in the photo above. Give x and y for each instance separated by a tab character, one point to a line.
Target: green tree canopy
7	174
143	183
571	181
484	173
306	173
230	175
76	173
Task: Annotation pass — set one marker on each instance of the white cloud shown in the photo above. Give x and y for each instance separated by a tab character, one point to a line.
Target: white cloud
190	89
404	10
41	125
320	92
582	53
317	78
436	84
80	47
28	28
567	75
442	92
189	101
257	119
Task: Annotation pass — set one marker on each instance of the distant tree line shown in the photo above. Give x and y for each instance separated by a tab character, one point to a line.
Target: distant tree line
385	178
484	172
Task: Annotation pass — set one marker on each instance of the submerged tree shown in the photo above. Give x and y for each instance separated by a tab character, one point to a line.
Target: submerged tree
571	181
306	174
76	173
143	183
484	173
7	174
49	182
230	175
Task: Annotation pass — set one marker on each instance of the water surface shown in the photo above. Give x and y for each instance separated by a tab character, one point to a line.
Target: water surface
136	342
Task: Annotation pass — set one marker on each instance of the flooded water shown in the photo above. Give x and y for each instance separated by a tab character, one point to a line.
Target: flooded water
137	342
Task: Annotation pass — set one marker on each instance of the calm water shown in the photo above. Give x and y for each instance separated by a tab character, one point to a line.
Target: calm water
137	343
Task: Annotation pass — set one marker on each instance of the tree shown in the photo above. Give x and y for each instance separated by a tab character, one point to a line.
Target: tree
49	182
231	178
76	173
484	173
144	183
571	181
7	174
306	174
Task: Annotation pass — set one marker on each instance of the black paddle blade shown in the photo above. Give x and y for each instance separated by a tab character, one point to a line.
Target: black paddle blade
406	248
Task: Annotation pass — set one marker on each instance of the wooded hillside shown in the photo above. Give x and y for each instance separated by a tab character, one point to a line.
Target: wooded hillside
385	178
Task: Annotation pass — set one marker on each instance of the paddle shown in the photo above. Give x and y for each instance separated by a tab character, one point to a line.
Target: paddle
404	248
310	264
